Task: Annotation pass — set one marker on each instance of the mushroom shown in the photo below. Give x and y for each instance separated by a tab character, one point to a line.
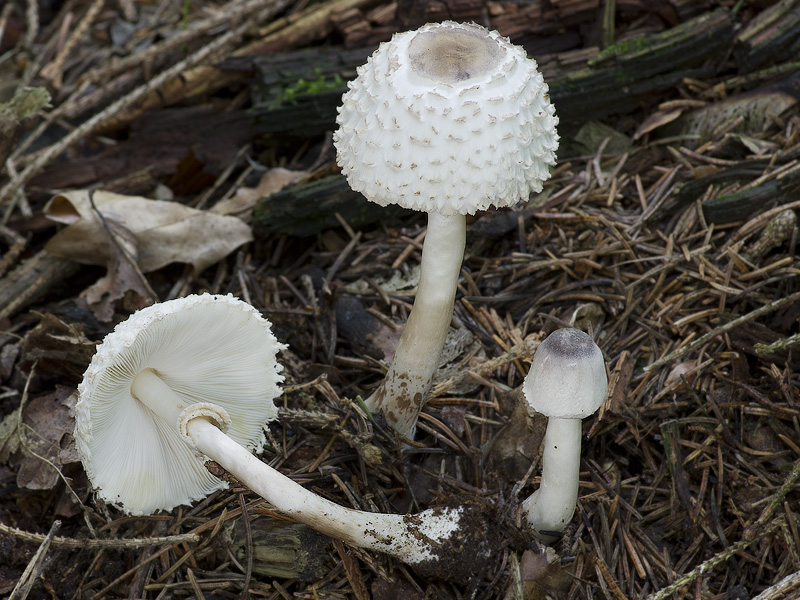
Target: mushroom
566	382
194	379
449	119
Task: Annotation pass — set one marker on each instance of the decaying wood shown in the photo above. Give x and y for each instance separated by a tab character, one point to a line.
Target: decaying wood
614	81
306	115
310	24
775	191
623	74
306	209
280	549
8	191
770	37
611	82
583	87
158	145
32	279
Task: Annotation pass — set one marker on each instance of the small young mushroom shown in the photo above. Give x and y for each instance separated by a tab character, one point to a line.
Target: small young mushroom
566	382
196	377
449	119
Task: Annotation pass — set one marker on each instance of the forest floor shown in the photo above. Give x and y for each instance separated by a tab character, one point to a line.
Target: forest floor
667	231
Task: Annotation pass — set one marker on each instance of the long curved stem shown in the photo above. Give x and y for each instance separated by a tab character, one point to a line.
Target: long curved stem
551	507
410	538
404	390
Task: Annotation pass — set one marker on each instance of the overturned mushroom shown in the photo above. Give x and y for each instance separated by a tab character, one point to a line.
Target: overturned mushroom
566	382
196	377
449	119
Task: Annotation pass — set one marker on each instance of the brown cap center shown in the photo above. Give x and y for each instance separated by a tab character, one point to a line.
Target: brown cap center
451	55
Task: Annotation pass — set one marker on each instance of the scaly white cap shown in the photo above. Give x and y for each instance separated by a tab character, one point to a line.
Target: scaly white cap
206	348
567	378
451	118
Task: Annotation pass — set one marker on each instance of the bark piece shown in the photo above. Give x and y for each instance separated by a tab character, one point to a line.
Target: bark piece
614	81
772	36
307	209
31	280
745	203
281	549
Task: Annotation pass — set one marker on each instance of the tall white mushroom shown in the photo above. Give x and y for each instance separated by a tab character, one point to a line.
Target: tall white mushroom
566	382
194	378
449	119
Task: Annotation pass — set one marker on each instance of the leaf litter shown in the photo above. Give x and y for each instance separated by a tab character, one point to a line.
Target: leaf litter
131	235
675	247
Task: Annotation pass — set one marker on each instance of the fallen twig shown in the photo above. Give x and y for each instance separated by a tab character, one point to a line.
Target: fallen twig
712	562
100	543
13	186
723	329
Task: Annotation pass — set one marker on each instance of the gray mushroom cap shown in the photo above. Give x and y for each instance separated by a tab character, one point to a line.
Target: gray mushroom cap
207	348
567	378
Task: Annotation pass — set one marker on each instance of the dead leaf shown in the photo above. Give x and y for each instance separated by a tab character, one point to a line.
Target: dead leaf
757	146
455	418
517	447
656	120
543	576
122	278
46	439
190	177
397	589
136	235
8	579
9	440
245	199
684	370
60	349
363	329
8	358
586	316
167	232
754	108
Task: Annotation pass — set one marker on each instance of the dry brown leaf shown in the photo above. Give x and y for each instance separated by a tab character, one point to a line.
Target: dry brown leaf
46	435
245	199
136	235
656	120
123	277
543	576
9	440
166	232
59	349
8	358
756	110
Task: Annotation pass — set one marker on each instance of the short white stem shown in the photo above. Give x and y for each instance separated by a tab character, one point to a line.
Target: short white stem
410	538
404	391
551	507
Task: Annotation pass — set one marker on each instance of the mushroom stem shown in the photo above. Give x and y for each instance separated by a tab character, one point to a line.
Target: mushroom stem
414	539
410	538
149	389
404	390
551	507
